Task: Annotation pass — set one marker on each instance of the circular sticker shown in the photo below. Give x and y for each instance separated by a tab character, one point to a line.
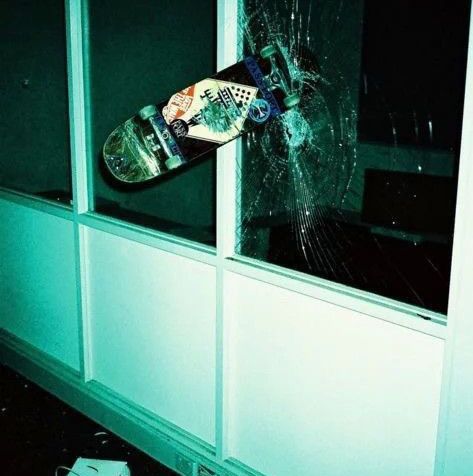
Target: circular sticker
259	110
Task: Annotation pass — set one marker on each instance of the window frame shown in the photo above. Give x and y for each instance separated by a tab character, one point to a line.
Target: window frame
223	257
228	158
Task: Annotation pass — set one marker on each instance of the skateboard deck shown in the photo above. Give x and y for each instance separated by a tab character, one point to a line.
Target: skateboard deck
163	137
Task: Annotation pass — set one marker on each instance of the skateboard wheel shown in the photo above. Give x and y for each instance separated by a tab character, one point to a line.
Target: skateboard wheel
292	100
173	162
147	112
268	51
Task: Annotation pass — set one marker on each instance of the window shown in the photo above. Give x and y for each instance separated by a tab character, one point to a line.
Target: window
34	125
358	184
139	54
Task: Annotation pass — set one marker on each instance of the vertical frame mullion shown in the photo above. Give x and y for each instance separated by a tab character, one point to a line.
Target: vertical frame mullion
76	88
227	54
80	184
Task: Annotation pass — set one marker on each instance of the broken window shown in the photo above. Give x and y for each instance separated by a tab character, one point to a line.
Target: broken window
357	185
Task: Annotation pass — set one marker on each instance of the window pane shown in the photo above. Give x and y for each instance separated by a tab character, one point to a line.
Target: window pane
141	53
357	184
34	125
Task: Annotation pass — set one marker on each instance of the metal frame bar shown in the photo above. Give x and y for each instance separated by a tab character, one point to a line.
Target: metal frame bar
227	53
74	41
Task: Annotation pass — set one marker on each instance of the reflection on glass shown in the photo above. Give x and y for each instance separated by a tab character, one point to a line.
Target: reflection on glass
34	126
358	184
140	53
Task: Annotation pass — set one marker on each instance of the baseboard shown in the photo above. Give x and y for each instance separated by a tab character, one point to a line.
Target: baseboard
154	436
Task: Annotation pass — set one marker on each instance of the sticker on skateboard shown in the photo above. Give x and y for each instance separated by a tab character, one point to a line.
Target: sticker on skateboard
201	118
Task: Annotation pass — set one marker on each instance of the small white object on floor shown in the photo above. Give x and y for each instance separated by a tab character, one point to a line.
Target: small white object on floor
99	467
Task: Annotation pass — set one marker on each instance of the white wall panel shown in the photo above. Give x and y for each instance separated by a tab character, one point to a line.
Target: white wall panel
455	443
152	324
314	388
38	301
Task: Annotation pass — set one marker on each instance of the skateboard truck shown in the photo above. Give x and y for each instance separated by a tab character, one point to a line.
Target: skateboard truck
166	140
279	77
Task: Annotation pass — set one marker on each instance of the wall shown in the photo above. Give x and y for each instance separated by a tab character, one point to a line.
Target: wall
319	389
455	438
308	385
38	293
152	330
224	364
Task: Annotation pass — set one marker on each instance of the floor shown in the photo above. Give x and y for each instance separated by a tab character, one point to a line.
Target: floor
38	433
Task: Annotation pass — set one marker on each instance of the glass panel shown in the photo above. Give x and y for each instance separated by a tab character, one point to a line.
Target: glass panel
357	184
34	124
141	53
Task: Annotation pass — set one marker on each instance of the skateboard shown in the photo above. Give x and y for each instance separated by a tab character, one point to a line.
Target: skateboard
164	137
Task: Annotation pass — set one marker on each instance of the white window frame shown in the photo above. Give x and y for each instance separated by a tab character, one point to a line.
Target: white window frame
228	158
223	257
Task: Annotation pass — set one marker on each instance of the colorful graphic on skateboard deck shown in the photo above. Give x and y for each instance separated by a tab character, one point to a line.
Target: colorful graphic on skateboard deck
200	118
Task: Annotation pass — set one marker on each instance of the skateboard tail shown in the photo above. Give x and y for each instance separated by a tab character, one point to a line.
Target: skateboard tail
129	156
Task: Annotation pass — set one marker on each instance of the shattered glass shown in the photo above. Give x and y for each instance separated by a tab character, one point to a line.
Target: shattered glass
357	184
